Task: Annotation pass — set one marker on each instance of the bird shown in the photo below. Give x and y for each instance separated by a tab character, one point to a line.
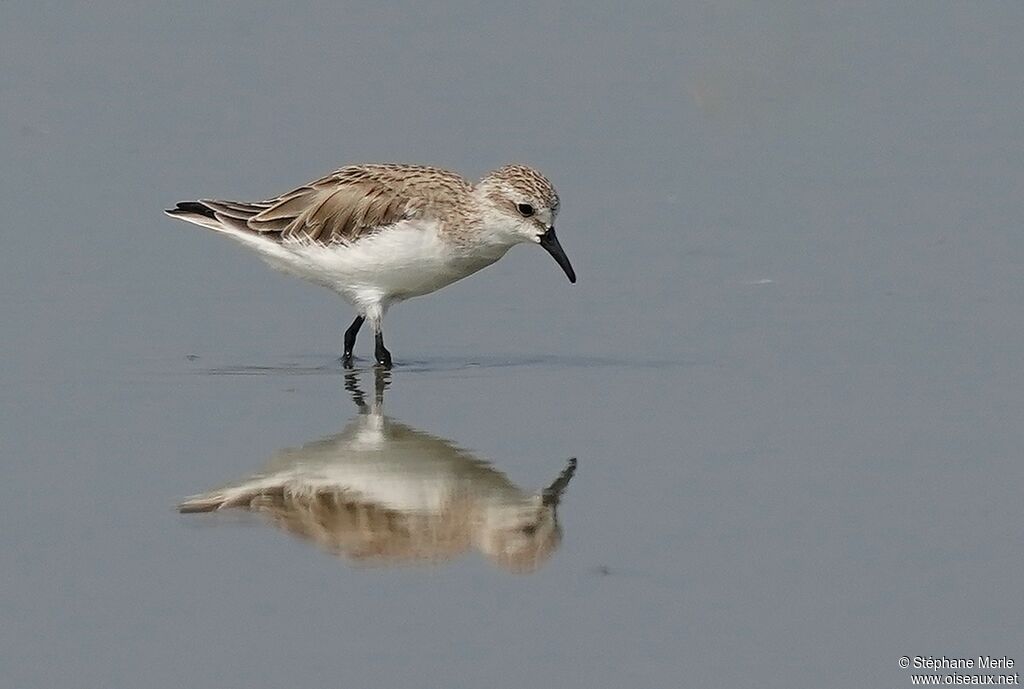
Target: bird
384	493
380	233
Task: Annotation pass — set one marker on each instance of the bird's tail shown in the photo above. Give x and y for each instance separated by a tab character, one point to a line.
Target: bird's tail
222	216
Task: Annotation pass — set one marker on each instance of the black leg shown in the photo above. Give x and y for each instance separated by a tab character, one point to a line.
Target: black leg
382	354
350	338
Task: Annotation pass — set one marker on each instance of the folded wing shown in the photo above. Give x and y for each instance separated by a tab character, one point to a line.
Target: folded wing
344	206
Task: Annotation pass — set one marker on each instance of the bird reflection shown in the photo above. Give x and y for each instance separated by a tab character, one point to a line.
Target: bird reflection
383	493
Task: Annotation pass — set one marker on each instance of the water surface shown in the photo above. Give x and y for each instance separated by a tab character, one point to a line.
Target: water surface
790	372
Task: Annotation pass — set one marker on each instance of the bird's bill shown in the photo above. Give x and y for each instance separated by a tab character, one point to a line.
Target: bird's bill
549	241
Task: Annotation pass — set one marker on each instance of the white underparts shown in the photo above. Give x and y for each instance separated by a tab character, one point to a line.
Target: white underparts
406	260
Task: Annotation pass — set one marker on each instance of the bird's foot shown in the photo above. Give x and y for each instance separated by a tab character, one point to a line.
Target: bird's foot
380	352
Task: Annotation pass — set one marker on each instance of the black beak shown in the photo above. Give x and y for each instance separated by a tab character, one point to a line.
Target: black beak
549	241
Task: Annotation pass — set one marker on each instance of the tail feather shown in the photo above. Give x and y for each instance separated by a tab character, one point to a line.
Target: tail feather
201	503
245	495
216	215
215	500
192	207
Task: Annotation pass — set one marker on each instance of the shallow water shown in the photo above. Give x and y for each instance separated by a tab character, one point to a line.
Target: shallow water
790	373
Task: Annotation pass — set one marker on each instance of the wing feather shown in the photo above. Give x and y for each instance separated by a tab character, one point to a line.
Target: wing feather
341	207
348	204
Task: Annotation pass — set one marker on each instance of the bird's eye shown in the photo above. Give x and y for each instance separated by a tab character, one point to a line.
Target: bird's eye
525	209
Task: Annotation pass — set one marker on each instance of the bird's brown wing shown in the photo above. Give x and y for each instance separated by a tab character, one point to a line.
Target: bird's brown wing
341	207
344	206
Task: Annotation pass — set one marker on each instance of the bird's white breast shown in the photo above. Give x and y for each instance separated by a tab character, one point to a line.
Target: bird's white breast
405	260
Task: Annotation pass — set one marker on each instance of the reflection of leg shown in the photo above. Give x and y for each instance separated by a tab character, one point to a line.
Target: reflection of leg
350	338
381	380
352	385
382	354
553	493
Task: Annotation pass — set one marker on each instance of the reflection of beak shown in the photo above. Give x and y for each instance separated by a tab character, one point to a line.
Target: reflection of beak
549	241
553	493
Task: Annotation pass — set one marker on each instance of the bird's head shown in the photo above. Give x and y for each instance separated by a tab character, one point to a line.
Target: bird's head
522	205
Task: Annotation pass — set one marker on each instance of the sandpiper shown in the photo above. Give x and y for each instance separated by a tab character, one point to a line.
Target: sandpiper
381	492
378	234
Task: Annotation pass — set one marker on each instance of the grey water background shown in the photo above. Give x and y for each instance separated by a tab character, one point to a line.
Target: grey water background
791	370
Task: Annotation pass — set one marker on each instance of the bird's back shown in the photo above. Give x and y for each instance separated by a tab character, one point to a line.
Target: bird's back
343	207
